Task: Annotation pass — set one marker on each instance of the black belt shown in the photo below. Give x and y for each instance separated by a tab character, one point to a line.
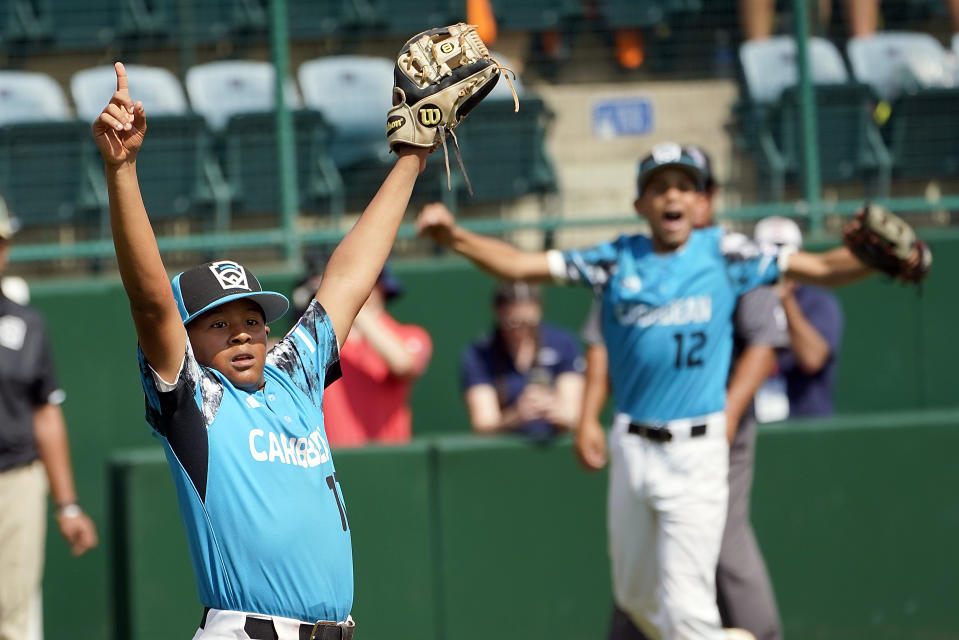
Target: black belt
263	629
663	434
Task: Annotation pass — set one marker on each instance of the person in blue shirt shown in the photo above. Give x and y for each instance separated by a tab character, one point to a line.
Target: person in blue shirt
808	369
526	377
242	427
667	301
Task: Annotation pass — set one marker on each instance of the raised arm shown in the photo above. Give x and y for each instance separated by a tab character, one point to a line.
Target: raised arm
119	132
357	261
494	256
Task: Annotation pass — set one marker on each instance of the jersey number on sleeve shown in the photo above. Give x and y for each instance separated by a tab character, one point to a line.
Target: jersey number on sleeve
689	349
331	482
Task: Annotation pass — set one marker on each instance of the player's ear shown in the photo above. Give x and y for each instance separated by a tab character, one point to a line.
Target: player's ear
637	205
267	327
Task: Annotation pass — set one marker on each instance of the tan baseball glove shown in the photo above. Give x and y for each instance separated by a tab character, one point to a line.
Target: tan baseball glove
887	243
440	76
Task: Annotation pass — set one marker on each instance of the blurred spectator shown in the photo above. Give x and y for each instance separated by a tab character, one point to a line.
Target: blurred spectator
380	360
526	376
756	17
814	317
34	458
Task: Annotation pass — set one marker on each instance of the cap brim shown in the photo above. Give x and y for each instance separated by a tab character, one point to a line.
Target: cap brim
274	305
694	172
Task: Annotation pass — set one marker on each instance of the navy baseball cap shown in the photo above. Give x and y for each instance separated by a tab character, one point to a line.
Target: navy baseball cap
701	158
211	284
669	154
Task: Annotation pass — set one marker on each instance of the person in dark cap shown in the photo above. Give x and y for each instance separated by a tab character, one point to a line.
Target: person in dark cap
243	427
34	459
380	360
526	376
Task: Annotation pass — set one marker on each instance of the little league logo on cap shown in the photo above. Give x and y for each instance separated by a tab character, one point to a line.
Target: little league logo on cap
230	275
210	285
669	154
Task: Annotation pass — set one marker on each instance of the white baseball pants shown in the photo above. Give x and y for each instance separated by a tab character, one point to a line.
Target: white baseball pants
666	512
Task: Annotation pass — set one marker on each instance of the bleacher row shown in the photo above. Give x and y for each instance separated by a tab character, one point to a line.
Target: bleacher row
70	25
212	148
892	117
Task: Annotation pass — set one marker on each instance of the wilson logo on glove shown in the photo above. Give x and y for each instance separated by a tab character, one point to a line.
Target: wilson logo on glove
393	123
441	75
430	115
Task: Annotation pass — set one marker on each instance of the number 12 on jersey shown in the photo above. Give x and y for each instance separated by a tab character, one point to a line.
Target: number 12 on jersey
689	349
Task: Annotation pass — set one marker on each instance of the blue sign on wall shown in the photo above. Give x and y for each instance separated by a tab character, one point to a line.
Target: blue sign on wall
615	117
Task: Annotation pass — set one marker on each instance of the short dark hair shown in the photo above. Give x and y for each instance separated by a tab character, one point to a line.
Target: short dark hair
516	291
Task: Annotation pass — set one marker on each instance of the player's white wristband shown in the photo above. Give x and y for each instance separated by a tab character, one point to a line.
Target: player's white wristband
783	260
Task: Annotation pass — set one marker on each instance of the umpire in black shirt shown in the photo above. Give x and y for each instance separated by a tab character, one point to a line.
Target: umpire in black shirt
34	458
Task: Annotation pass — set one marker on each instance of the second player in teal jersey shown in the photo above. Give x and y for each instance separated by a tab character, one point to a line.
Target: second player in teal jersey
667	303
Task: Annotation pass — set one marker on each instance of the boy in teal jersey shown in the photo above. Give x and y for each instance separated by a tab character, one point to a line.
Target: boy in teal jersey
242	427
667	302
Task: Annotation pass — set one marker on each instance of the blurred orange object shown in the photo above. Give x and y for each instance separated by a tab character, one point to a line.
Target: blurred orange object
480	13
629	48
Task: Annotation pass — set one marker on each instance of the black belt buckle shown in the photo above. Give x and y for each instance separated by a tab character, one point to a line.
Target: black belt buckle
656	434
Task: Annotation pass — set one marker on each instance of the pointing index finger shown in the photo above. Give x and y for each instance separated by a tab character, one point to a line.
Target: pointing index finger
121	78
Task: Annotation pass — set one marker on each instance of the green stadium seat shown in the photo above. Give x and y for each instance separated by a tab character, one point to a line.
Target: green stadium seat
912	72
47	177
850	145
219	90
535	15
252	164
102	24
179	175
316	19
894	62
644	13
922	134
24	24
238	22
237	99
46	174
406	18
505	153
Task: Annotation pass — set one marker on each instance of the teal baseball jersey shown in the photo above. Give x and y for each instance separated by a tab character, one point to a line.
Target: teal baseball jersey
667	317
258	493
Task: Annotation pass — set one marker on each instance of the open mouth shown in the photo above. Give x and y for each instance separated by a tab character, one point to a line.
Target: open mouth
672	216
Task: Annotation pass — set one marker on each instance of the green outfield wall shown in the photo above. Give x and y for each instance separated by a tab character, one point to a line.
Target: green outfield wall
898	354
459	537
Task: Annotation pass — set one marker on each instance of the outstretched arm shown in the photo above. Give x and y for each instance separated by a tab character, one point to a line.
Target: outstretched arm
358	259
494	256
832	268
119	132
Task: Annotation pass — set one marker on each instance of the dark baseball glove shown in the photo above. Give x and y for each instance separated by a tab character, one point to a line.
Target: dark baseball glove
887	243
440	76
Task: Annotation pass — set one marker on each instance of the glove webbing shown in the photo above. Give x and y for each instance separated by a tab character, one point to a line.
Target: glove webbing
456	146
